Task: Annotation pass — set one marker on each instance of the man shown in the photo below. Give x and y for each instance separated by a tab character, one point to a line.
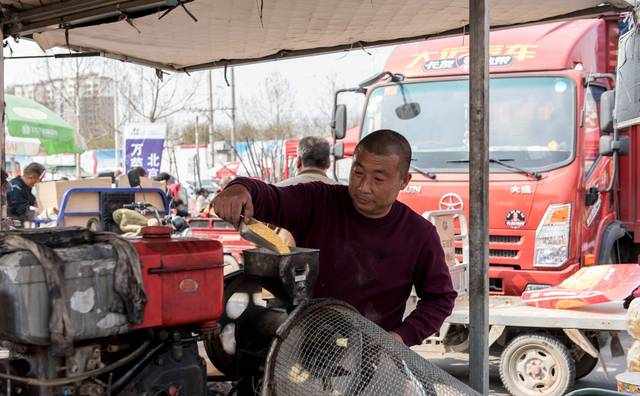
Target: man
20	199
373	249
202	203
314	159
172	187
135	174
312	162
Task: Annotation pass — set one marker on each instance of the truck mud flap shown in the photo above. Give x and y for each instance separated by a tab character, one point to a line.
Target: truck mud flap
612	233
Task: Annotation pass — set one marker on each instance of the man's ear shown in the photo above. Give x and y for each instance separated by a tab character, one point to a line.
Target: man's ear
298	163
405	180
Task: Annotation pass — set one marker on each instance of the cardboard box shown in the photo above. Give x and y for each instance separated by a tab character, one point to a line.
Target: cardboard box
123	182
49	194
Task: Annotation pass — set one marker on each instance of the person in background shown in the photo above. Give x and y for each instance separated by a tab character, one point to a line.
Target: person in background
20	198
314	159
171	186
163	177
135	174
5	223
202	201
313	162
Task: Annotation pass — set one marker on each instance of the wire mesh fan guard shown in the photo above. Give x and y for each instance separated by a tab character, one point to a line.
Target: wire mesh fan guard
327	348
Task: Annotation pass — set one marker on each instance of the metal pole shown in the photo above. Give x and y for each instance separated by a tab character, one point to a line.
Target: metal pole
233	114
213	152
479	193
116	125
197	156
77	104
3	202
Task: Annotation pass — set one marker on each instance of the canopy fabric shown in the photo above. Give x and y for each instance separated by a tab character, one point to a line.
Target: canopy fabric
240	31
34	129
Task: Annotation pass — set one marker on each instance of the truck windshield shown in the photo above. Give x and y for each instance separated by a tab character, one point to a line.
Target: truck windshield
532	121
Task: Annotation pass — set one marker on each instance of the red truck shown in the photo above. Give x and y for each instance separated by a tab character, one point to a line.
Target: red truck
557	202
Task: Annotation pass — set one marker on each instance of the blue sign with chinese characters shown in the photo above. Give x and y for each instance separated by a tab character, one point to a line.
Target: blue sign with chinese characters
143	145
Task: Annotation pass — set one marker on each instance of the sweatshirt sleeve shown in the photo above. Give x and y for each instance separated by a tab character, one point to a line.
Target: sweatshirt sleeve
17	200
436	294
291	207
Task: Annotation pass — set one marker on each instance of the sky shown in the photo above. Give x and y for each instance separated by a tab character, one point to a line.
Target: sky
306	75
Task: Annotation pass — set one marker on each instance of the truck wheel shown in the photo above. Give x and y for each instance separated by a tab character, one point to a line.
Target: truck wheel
535	364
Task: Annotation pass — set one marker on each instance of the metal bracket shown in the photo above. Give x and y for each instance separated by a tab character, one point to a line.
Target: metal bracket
578	338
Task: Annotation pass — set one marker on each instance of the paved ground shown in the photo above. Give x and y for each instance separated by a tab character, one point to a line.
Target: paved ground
457	365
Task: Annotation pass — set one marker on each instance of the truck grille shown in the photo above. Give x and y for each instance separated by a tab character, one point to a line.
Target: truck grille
504	238
503	253
496	252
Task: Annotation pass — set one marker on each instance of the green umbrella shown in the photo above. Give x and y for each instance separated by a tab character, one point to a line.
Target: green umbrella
32	127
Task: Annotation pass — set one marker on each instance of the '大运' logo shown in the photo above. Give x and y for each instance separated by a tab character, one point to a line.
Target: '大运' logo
515	219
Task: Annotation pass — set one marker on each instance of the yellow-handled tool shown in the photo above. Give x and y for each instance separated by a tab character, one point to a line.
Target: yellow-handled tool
259	233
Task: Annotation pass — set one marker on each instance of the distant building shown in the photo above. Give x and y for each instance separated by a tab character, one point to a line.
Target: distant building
96	104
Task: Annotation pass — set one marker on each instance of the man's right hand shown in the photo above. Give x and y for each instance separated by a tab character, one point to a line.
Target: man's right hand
228	204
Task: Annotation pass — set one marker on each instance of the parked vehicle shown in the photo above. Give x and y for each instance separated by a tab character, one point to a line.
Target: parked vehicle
554	206
217	229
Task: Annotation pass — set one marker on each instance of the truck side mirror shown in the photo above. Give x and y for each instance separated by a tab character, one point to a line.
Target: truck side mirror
608	145
338	150
607	103
339	124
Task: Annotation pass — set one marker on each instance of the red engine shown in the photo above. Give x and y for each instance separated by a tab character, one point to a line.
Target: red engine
183	279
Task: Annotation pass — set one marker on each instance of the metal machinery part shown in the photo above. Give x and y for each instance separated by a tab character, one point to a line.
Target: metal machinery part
258	299
110	351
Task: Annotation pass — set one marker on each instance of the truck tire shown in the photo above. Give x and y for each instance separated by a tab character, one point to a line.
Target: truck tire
536	364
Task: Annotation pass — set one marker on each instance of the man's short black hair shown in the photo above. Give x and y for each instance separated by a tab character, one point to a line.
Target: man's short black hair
162	176
314	152
387	142
135	174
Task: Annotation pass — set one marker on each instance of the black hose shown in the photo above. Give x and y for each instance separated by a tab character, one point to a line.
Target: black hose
127	376
75	378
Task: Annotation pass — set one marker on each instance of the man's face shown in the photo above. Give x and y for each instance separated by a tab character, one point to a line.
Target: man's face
32	180
375	182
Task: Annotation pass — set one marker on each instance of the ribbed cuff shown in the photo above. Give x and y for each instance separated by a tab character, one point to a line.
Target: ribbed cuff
408	335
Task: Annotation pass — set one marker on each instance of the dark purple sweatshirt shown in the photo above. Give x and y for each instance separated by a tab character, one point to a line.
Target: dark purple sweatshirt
369	263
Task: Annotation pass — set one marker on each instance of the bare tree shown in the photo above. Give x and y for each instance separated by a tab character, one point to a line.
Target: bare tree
267	118
81	92
152	96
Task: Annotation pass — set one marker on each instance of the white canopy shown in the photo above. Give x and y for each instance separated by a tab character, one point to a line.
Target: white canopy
241	31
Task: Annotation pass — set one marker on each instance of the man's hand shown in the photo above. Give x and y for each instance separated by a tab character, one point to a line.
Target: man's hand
396	337
228	204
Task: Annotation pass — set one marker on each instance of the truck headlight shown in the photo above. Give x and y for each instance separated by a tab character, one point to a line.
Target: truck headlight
552	237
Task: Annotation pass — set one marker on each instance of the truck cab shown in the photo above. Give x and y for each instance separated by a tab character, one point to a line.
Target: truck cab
551	201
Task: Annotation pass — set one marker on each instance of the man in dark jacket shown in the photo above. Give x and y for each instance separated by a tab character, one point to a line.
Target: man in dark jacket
19	197
373	249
